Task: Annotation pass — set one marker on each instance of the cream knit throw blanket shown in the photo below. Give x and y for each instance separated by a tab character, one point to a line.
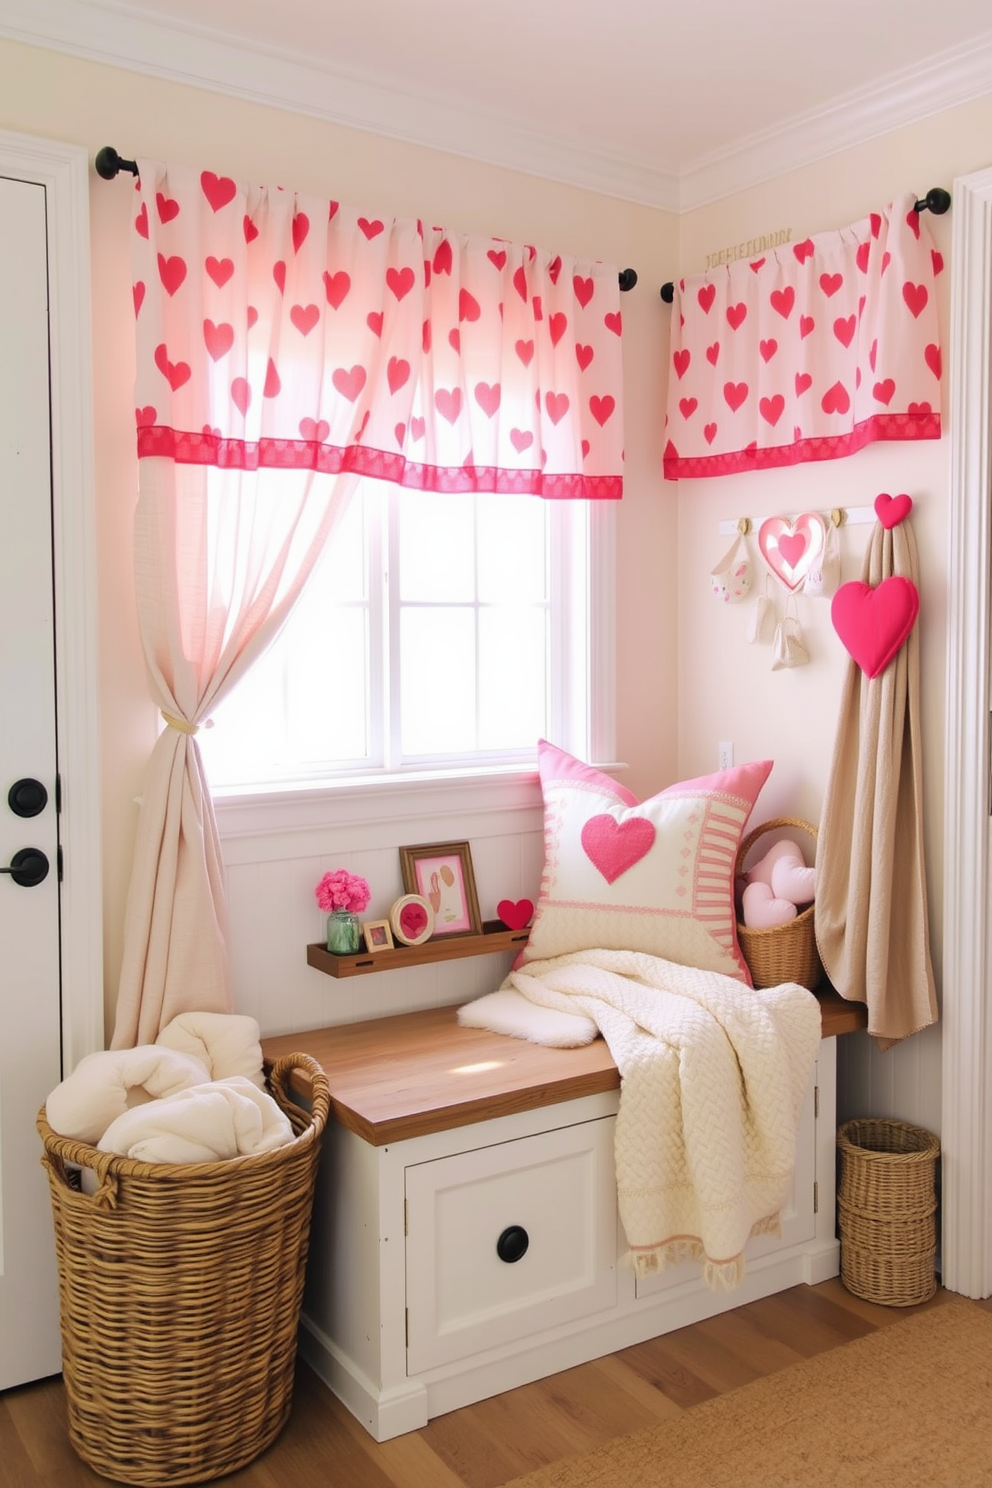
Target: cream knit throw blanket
713	1076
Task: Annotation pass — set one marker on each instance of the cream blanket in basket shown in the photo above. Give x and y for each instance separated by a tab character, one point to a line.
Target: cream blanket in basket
713	1076
206	1123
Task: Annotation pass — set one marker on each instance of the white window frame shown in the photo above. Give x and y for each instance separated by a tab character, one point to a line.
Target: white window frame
587	722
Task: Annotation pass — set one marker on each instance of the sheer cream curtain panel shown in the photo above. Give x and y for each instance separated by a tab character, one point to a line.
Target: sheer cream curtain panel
287	346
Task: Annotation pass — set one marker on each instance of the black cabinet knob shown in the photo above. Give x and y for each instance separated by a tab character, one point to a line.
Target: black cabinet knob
28	867
27	798
512	1244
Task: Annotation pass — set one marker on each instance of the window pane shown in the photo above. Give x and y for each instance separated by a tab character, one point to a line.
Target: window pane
249	731
513	701
327	690
437	680
306	702
512	542
474	676
343	572
436	546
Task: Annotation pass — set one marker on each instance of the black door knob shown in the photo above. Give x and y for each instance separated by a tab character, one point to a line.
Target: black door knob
27	798
28	867
512	1244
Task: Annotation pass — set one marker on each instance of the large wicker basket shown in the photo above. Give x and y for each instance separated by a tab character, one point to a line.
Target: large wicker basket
886	1203
785	953
180	1288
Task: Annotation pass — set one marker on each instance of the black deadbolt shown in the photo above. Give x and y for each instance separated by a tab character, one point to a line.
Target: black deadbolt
512	1244
27	798
28	867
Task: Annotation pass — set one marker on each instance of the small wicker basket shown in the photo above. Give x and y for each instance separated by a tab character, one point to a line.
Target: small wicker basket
887	1202
180	1288
785	953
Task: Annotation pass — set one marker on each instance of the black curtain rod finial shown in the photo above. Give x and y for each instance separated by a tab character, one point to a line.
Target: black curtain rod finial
628	278
108	163
668	292
937	201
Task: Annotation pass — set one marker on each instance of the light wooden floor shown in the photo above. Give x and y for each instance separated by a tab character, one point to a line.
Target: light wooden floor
486	1445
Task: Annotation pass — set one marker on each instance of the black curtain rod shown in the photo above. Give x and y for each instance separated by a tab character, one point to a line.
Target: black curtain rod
937	201
109	164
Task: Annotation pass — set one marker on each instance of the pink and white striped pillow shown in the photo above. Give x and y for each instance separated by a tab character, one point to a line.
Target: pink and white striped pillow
654	876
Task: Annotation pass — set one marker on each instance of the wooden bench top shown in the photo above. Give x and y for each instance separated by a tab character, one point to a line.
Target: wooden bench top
417	1073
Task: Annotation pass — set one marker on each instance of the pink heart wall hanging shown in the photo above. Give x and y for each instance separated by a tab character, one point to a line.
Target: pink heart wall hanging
515	916
891	510
612	847
789	548
874	623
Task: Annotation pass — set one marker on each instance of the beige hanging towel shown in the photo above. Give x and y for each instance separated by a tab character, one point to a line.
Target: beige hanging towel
871	898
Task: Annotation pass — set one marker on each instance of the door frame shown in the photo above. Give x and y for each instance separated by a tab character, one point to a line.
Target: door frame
63	170
966	1104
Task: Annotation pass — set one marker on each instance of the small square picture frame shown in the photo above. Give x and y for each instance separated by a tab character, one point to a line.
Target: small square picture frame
378	935
441	872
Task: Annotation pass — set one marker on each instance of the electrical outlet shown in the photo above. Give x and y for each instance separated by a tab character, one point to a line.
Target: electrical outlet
725	753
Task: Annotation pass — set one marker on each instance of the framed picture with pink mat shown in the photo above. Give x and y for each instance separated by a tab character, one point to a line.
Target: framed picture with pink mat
441	872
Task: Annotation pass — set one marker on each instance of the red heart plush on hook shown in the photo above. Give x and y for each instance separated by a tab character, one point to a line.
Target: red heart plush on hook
891	510
874	623
515	916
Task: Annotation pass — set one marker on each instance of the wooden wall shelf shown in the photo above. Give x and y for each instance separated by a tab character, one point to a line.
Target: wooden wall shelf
495	937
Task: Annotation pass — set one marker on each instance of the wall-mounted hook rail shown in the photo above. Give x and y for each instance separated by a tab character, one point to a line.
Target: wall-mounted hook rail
838	516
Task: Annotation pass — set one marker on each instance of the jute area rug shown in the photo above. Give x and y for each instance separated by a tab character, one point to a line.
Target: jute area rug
909	1406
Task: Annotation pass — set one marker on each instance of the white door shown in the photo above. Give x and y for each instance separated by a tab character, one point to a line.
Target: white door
30	1033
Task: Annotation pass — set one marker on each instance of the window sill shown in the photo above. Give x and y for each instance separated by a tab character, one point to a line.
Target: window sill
369	799
381	798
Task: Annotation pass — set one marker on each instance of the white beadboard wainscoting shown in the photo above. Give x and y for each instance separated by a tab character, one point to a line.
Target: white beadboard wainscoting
903	1083
277	847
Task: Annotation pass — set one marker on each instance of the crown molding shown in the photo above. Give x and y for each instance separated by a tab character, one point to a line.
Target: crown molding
100	31
945	81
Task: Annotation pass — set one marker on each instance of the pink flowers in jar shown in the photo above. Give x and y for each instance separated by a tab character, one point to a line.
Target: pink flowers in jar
343	890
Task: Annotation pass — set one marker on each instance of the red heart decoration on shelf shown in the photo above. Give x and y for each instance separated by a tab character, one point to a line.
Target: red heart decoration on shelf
874	623
789	548
891	510
515	916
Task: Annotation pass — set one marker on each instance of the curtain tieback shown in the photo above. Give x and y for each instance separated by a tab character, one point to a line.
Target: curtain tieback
180	723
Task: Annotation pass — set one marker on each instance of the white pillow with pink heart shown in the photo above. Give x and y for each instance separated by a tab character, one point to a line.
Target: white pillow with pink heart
655	876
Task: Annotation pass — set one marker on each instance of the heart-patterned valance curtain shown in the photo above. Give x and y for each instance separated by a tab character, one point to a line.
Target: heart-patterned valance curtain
283	330
808	352
286	346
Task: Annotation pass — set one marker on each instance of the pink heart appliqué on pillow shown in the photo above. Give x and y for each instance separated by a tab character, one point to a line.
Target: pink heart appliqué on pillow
612	847
515	916
874	623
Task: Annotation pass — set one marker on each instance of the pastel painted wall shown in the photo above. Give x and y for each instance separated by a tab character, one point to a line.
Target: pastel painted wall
686	676
58	97
727	690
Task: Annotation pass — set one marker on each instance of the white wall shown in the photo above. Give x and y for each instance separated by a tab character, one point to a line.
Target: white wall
686	678
727	688
60	97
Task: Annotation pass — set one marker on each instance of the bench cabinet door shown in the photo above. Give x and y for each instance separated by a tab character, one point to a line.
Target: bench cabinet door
507	1241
